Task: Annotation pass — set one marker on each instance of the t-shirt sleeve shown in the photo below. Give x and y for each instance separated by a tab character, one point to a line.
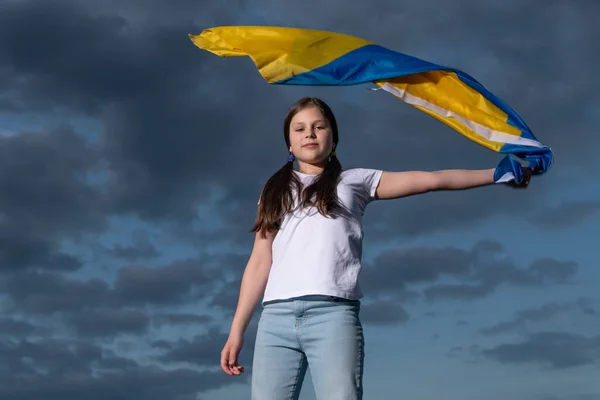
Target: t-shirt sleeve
371	178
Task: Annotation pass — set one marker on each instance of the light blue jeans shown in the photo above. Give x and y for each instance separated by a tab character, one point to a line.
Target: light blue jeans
320	332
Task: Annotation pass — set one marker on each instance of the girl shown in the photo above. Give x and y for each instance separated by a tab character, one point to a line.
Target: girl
306	259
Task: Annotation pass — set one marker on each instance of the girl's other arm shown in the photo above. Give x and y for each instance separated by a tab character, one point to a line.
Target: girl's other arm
254	281
252	288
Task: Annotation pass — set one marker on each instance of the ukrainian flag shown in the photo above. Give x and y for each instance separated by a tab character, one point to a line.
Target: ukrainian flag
292	56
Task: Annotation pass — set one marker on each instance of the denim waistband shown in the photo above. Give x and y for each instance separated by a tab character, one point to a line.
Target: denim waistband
313	297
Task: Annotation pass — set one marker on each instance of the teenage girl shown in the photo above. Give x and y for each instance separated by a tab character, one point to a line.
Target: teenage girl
306	259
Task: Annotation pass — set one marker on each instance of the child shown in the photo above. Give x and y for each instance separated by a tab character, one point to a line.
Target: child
306	259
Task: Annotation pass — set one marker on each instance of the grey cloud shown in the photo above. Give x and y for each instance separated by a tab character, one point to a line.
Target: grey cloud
168	285
44	197
541	272
108	322
202	350
12	327
140	249
566	214
553	271
458	291
383	313
171	284
415	265
395	278
559	350
54	356
392	270
227	297
46	293
540	314
111	362
128	79
436	212
46	369
77	74
205	350
181	319
18	251
470	354
479	272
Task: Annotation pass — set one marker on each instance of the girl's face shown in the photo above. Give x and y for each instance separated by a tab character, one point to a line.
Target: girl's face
311	139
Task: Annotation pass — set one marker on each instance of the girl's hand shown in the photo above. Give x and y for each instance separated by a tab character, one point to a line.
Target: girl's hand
229	355
527	173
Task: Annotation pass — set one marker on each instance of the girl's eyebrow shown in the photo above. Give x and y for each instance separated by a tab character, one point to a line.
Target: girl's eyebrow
319	121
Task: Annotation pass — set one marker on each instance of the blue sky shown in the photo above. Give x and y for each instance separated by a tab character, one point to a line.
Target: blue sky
131	162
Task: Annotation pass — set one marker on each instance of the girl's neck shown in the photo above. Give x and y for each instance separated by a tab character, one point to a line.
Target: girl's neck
310	169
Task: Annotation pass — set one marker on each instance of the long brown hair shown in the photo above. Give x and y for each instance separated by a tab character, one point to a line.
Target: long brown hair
277	199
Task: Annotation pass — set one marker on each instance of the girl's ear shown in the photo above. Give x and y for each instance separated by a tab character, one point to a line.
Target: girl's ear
290	149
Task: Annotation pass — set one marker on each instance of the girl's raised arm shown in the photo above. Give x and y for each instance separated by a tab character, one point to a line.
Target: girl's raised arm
394	185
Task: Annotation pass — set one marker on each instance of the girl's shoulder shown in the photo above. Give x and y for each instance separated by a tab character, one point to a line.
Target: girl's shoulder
362	173
366	178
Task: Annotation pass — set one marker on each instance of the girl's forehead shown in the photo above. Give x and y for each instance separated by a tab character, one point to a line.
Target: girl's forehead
310	114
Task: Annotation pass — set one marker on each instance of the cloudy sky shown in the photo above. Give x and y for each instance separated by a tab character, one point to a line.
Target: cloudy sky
130	164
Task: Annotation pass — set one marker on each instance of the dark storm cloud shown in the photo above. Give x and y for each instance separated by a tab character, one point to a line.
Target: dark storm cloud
559	350
479	271
458	291
489	277
47	370
44	195
394	269
205	350
227	298
141	84
440	211
398	277
108	323
172	284
81	61
540	314
169	285
566	214
181	319
10	327
383	313
55	356
136	251
231	267
93	309
46	293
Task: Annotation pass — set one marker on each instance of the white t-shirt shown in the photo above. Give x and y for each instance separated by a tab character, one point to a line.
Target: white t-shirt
317	255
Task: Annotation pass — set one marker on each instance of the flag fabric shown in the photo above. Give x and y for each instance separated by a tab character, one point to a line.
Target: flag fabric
293	56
